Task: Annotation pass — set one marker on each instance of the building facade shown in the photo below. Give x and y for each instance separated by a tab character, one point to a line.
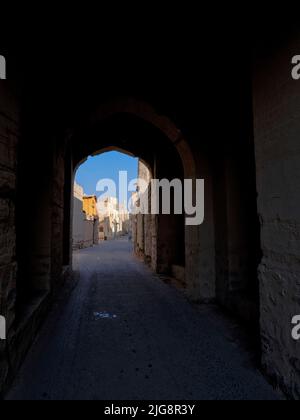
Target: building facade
113	219
85	219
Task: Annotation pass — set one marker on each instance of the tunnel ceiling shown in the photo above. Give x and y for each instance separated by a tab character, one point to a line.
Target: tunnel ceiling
126	132
200	79
192	89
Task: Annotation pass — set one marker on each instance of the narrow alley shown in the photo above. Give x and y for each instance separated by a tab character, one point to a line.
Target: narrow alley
121	333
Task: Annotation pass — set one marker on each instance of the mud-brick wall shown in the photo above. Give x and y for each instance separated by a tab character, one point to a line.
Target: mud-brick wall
277	143
9	134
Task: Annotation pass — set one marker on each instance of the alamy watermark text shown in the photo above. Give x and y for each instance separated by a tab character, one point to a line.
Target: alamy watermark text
2	67
157	196
2	328
296	329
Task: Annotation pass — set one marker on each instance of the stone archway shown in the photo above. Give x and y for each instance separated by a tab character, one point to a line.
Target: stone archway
147	113
142	111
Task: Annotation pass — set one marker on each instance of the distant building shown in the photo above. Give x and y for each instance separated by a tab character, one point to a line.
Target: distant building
85	219
90	207
78	217
113	219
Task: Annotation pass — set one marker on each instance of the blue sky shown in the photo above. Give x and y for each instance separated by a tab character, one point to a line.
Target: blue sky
106	165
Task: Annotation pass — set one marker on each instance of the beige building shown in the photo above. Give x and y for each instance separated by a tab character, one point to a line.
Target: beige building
85	219
113	219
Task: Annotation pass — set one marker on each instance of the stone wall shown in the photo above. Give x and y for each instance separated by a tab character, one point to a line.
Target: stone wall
143	227
78	218
9	134
200	273
277	128
89	227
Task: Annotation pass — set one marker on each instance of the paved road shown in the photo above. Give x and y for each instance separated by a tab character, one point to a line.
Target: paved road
124	334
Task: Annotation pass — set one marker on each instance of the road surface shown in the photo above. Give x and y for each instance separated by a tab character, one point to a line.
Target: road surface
123	334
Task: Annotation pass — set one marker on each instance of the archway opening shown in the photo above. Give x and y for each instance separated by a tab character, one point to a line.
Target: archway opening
134	129
106	206
103	186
